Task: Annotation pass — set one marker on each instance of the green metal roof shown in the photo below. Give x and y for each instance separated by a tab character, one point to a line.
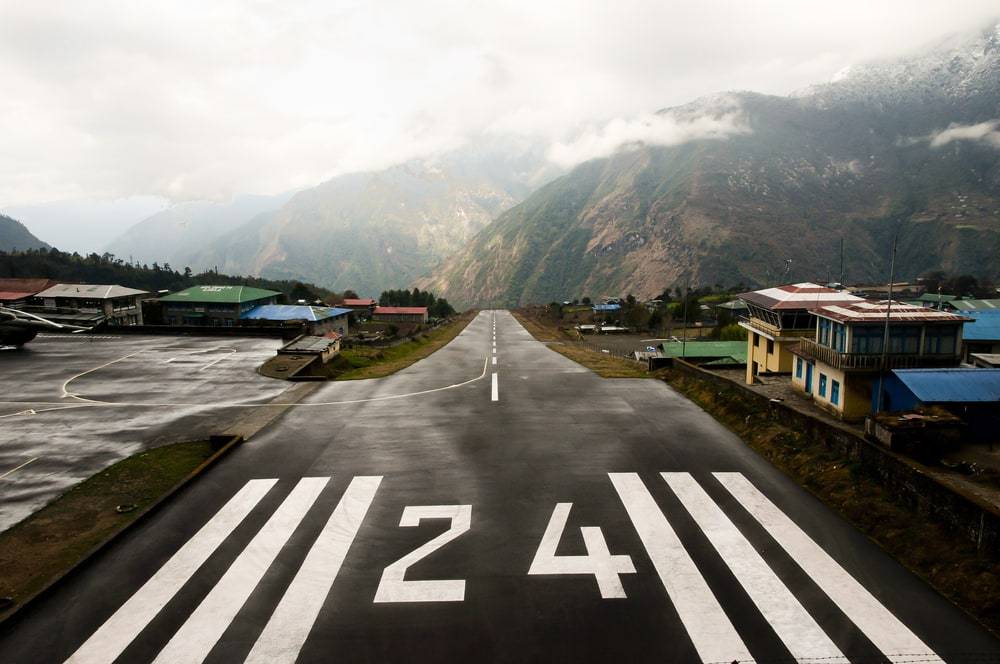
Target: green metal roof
736	350
219	294
935	297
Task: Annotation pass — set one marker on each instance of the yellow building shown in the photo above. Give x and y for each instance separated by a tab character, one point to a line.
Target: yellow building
777	319
839	365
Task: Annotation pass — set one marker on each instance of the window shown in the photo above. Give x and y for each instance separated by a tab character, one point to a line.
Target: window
822	385
866	339
835	392
939	340
770	346
904	339
798	367
824	332
839	336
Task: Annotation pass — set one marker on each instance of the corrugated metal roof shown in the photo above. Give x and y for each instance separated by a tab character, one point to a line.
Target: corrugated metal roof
867	311
984	326
695	349
293	312
400	310
797	296
358	302
220	294
15	295
90	291
952	385
18	284
976	305
607	307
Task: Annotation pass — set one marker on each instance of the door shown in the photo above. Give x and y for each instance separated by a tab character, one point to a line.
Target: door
809	377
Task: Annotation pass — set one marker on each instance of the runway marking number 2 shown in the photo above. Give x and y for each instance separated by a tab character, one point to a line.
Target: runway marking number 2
393	587
605	567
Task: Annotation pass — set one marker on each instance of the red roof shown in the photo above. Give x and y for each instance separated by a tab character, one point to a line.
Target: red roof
798	296
401	310
22	285
868	311
6	296
356	302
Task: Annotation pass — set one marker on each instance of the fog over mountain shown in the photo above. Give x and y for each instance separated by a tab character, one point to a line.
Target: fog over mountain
905	146
176	118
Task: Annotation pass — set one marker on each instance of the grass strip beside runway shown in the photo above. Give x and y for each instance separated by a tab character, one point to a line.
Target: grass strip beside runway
42	547
603	364
366	362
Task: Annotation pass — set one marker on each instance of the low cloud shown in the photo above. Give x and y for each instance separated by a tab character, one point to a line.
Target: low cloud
984	132
661	129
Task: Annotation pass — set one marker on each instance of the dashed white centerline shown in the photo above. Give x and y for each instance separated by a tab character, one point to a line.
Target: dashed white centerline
496	389
494	360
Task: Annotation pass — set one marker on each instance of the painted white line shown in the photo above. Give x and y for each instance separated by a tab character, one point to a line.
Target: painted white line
199	633
108	642
65	385
495	392
14	470
804	638
292	621
394	588
494	360
882	628
605	567
713	636
214	362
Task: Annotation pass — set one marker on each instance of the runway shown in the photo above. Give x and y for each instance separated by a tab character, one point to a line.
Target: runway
495	502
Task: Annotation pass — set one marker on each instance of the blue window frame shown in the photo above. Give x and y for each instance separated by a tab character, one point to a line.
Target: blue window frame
822	385
798	367
835	392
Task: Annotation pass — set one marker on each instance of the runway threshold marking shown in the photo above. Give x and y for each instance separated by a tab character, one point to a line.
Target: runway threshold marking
881	627
804	639
710	630
108	642
199	633
14	470
291	622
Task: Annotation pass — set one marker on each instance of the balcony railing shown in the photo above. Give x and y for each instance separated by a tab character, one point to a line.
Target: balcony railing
873	361
771	329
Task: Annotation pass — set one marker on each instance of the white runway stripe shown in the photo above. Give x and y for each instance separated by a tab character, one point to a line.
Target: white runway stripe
202	629
804	639
121	629
709	628
495	391
289	626
882	628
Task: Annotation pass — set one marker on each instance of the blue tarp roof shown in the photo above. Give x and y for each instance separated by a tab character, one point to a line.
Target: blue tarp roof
293	312
951	385
607	307
985	327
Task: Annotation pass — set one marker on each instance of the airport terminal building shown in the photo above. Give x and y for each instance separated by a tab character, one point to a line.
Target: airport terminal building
217	306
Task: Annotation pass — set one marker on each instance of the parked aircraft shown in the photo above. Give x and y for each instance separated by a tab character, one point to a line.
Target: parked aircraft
19	327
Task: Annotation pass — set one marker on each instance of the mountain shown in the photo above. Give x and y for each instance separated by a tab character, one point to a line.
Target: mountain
14	236
379	230
84	226
908	146
177	234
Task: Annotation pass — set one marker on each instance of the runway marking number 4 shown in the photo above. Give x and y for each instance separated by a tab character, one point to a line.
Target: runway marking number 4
393	587
605	567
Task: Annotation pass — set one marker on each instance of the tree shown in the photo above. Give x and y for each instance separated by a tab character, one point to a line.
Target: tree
350	295
585	300
301	292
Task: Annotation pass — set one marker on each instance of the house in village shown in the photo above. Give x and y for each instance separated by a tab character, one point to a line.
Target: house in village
362	307
16	293
778	318
405	315
317	320
840	364
213	305
89	304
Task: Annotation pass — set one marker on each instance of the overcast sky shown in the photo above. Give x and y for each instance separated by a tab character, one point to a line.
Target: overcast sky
205	99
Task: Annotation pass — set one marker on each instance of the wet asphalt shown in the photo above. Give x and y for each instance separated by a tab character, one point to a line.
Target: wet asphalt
434	475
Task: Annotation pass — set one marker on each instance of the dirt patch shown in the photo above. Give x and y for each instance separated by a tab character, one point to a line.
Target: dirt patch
52	540
604	365
946	560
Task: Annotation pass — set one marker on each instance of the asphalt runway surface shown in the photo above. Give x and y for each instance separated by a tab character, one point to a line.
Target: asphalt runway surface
523	510
56	430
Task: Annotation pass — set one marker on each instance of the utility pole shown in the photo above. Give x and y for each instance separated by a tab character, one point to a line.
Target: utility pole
885	333
684	339
841	281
